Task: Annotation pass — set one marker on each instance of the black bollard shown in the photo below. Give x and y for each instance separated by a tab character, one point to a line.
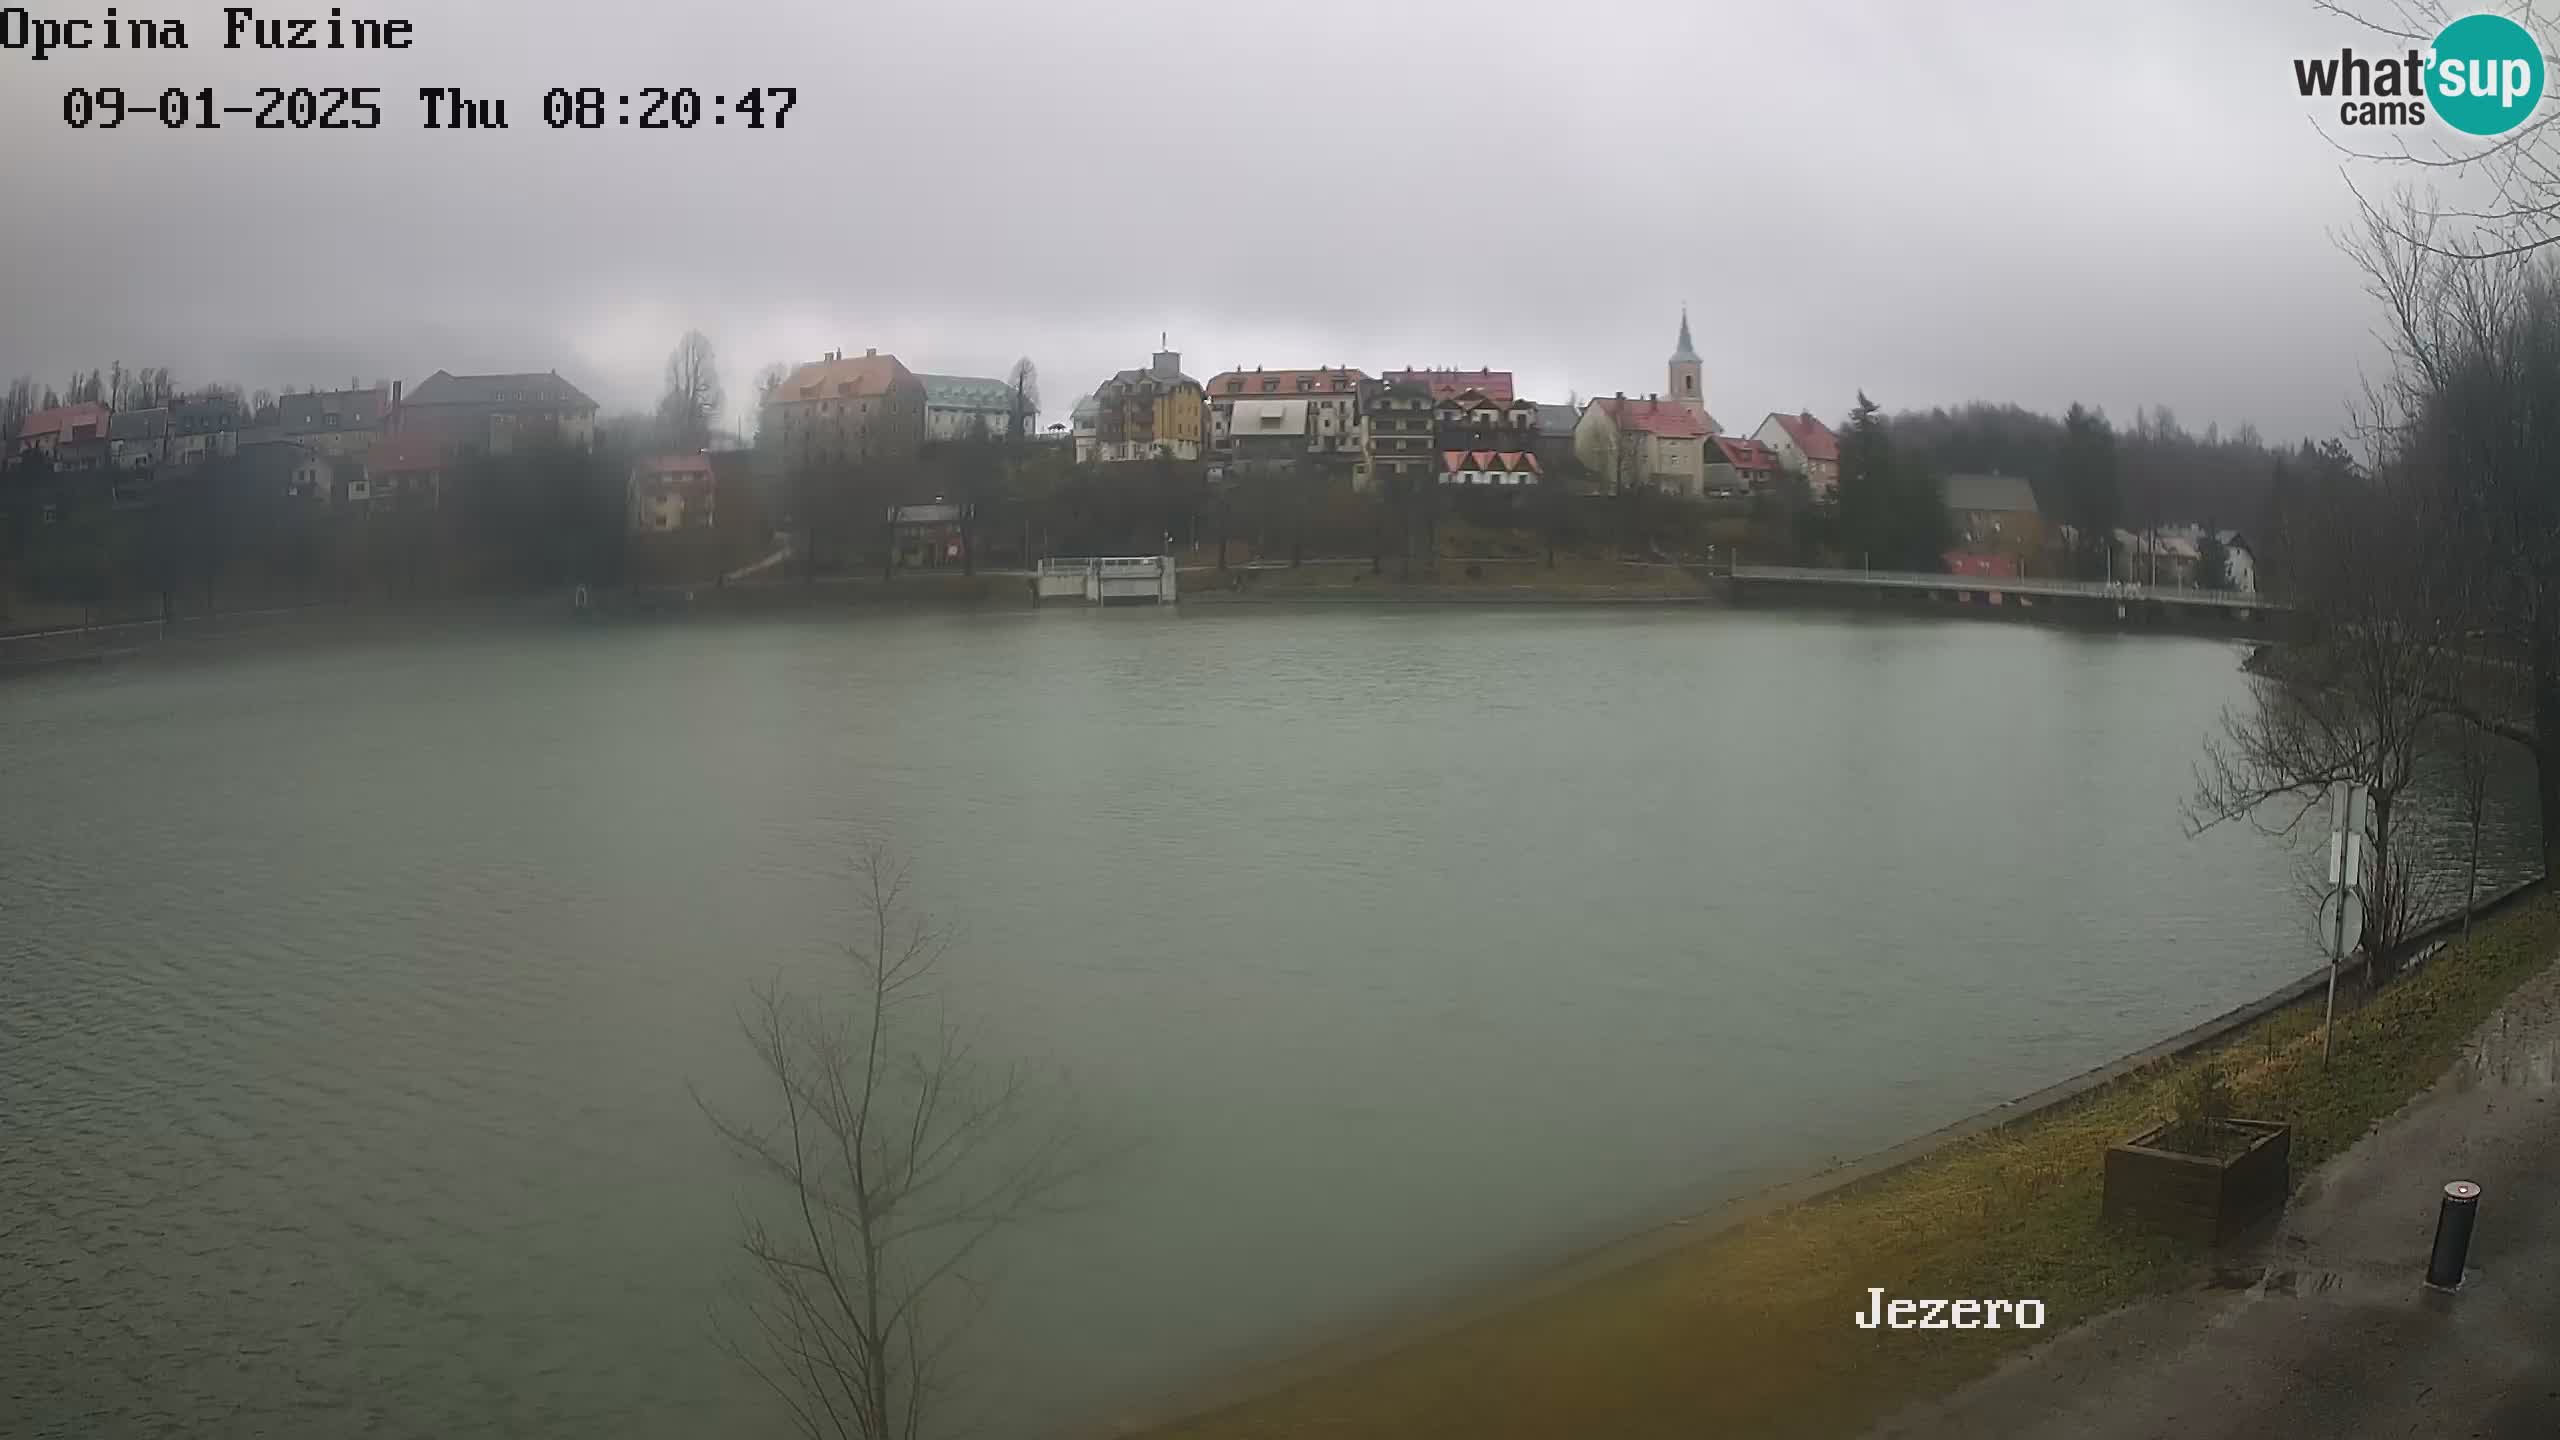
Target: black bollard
2454	1219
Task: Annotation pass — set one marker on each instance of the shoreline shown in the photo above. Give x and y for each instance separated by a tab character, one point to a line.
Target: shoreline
1200	1408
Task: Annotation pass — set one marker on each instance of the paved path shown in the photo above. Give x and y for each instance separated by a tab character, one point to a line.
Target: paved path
2326	1329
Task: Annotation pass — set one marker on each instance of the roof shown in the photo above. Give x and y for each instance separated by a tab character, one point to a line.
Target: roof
1662	419
1558	420
405	451
1451	460
1267	417
1258	381
208	415
353	409
1445	383
1743	453
842	377
691	462
63	418
1811	436
1085	409
548	389
1687	352
1142	375
2009	493
148	424
967	392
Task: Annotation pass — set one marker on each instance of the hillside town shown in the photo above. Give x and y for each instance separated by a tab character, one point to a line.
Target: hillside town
124	488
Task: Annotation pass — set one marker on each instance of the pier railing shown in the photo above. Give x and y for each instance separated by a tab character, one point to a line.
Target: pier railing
2006	585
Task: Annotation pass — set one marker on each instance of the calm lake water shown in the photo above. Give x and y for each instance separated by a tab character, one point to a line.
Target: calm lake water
350	994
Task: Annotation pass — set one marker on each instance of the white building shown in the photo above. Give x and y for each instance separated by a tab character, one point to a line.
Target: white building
958	406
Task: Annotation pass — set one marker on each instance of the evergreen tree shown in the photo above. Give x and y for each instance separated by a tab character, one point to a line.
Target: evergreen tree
2086	488
1892	515
2213	561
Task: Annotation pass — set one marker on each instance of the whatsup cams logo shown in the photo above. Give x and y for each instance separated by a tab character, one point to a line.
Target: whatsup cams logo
2482	76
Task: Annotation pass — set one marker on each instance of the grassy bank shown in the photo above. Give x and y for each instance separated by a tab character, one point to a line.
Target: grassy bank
1748	1332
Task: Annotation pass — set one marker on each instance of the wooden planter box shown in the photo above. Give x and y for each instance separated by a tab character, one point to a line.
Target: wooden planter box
2194	1197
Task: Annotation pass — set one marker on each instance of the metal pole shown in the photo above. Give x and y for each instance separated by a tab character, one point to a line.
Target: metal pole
2329	1016
2455	1216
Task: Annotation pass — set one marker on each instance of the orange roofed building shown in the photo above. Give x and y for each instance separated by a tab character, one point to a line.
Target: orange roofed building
847	409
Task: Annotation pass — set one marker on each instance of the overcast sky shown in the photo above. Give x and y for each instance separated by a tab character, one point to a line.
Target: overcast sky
2120	203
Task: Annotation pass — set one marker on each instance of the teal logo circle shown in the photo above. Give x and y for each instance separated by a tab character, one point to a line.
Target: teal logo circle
2485	74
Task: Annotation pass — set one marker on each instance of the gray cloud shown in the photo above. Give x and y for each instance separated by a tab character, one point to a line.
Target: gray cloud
2038	202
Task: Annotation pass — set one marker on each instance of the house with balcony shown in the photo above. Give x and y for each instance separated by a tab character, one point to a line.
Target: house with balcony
1397	428
1150	414
1327	399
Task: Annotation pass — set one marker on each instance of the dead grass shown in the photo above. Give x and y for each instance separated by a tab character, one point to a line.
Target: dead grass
1749	1332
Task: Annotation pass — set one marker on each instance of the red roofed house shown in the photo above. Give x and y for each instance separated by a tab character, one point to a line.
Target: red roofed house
1484	439
1656	443
1488	467
671	492
1805	444
1740	466
405	469
1269	398
73	437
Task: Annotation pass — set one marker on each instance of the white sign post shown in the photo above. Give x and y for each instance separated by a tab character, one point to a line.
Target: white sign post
2342	903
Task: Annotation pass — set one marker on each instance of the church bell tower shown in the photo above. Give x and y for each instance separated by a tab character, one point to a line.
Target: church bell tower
1688	382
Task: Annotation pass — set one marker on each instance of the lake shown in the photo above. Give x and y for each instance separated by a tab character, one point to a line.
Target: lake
352	995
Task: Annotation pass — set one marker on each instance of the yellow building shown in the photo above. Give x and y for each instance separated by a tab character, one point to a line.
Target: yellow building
1158	412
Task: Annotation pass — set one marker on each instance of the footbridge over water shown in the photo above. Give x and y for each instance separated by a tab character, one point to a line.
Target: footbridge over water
2102	602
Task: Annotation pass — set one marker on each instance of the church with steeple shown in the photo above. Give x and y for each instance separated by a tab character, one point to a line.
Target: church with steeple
1688	379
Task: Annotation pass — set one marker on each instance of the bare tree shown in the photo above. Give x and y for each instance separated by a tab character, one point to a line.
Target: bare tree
693	396
16	404
2476	349
2472	772
897	1155
768	380
2353	701
2507	200
1024	383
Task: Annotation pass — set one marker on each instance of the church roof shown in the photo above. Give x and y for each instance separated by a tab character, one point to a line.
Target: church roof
1687	352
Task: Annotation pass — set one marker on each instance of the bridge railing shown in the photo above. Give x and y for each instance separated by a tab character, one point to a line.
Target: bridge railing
2008	584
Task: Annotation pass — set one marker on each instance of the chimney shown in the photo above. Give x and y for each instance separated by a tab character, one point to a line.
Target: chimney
870	354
